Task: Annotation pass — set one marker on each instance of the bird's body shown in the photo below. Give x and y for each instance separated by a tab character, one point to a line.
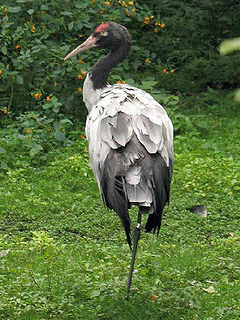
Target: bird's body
130	136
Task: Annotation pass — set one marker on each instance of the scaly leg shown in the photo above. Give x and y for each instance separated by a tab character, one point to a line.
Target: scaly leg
136	237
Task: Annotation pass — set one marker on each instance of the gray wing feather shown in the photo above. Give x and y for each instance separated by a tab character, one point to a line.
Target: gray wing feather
131	150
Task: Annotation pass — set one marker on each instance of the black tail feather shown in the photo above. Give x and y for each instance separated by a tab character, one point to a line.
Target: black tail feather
161	181
114	195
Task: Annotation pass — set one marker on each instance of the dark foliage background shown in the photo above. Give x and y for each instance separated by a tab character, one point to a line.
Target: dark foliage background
36	35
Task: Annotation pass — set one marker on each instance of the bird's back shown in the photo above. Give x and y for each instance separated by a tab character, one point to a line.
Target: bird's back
131	149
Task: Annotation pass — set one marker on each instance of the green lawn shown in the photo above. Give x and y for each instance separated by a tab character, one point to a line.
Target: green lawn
64	256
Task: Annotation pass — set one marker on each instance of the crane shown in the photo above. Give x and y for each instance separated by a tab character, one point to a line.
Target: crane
130	138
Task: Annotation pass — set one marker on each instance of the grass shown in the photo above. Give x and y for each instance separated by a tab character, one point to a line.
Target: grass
64	256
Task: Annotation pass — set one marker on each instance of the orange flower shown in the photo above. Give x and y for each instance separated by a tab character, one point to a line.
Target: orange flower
153	297
127	13
173	70
121	82
94	1
79	90
155	30
37	95
124	4
5	111
84	73
146	20
164	70
82	136
48	98
79	77
1	72
17	46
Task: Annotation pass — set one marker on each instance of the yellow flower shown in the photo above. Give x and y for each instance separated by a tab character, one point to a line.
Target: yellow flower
131	3
155	30
133	9
79	90
37	95
172	71
84	73
28	130
147	60
162	25
33	28
151	17
107	3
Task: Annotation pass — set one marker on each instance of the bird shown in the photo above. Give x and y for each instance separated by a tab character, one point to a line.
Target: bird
130	138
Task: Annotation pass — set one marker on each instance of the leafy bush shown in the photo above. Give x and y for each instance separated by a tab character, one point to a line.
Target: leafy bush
183	36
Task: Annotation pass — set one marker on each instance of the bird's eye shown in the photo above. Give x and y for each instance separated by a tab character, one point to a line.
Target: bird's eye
103	33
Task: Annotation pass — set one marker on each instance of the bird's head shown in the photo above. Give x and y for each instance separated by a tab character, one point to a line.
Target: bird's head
108	35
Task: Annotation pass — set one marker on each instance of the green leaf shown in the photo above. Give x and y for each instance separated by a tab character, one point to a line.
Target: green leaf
35	150
19	79
64	121
30	11
4	50
59	135
66	13
3	165
14	9
95	293
148	84
230	45
70	26
2	150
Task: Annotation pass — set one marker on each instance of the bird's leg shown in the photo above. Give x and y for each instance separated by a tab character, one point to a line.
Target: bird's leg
136	237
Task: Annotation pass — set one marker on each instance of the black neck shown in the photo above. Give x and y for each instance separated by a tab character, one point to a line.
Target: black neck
101	70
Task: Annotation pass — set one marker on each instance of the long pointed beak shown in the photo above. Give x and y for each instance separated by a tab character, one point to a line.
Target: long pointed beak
88	44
